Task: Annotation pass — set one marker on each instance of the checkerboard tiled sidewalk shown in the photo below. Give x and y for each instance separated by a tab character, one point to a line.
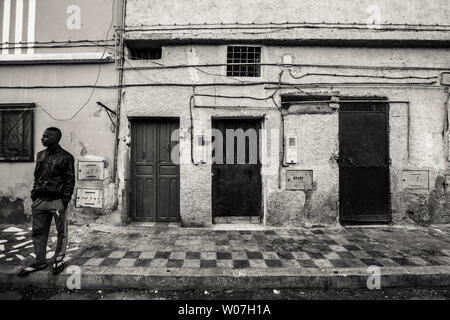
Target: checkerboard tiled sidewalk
16	245
164	247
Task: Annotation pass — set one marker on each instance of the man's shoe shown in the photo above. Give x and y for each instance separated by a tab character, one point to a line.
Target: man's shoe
58	266
32	268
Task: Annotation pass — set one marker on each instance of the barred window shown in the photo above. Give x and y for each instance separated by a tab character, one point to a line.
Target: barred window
243	61
16	132
145	53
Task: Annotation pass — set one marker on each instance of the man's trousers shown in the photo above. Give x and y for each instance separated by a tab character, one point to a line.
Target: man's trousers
42	212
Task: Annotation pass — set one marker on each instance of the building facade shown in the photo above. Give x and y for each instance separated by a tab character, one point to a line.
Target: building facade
57	60
355	89
280	113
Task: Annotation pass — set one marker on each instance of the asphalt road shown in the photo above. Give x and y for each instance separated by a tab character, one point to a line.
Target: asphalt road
31	293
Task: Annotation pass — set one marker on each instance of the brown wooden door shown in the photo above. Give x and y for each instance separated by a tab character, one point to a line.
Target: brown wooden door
155	184
363	162
236	182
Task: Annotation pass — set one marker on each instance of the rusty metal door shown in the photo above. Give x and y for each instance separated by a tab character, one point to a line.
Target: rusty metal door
236	173
155	178
364	162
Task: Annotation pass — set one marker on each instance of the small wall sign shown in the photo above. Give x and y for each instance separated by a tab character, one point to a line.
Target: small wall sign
299	180
416	179
90	170
89	198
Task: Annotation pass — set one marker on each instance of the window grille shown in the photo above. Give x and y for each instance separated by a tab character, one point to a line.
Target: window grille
145	53
16	132
243	61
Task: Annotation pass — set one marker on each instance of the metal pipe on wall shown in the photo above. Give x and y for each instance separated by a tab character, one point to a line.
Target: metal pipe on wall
120	92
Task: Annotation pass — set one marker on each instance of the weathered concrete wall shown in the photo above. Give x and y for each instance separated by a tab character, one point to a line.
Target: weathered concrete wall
88	136
419	112
264	11
317	147
12	211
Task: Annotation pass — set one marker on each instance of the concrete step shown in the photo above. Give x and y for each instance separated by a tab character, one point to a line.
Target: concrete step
243	279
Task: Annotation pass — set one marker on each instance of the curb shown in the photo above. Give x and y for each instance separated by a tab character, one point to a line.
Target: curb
241	279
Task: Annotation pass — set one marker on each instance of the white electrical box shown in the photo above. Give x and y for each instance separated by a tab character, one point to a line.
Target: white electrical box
291	150
416	179
445	79
200	149
287	59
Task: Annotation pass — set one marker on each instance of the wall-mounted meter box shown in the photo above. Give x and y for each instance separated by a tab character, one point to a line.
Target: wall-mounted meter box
291	150
90	170
287	59
200	149
445	79
89	198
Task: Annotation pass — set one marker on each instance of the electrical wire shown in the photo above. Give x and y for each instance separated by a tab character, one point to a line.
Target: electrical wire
134	68
225	84
287	23
35	108
337	66
247	97
81	86
96	80
152	81
63	46
371	27
309	74
359	76
286	27
271	96
446	111
191	101
283	143
218	75
84	104
57	42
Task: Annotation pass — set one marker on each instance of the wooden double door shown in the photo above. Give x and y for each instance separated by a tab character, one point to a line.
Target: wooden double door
155	171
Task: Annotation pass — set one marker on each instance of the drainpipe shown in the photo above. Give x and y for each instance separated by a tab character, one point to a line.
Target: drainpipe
445	129
119	96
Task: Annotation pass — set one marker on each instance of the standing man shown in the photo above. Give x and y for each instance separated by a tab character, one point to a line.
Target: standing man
54	181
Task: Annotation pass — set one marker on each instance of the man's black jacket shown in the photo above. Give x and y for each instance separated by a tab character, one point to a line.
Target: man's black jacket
54	176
